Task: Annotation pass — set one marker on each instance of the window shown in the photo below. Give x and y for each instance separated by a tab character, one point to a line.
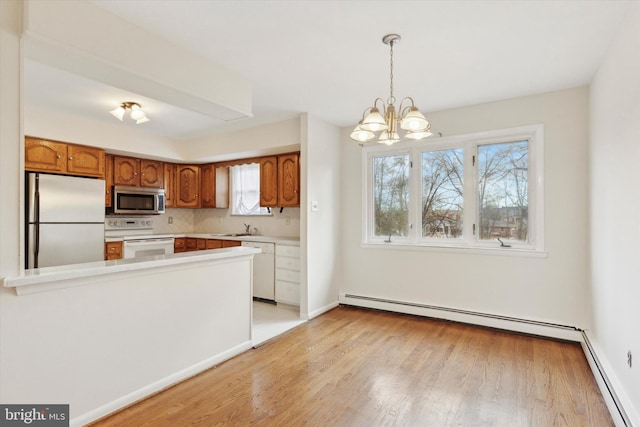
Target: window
481	190
245	190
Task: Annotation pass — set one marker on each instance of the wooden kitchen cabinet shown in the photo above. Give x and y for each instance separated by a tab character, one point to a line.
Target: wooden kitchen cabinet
138	172
151	173
179	244
269	181
289	180
214	244
202	244
191	244
280	180
112	250
42	155
187	186
108	180
85	161
169	185
231	243
126	171
208	186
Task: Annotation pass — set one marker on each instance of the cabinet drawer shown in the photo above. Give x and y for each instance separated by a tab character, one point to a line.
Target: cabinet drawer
287	292
288	275
290	251
288	263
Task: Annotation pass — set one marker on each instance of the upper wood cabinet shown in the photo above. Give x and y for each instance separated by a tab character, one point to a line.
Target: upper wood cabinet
169	185
126	171
208	186
280	180
41	155
187	186
269	181
108	180
137	172
289	180
151	173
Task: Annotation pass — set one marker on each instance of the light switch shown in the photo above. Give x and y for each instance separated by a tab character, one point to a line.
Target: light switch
314	206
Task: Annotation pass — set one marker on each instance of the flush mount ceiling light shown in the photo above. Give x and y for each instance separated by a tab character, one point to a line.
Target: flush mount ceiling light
407	118
136	112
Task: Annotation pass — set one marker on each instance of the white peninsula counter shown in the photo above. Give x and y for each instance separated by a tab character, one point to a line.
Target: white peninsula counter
124	329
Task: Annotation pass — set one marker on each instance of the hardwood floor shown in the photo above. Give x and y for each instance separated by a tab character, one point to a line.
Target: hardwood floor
356	367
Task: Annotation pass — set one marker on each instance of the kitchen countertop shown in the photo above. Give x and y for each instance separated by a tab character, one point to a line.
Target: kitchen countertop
291	241
280	240
39	279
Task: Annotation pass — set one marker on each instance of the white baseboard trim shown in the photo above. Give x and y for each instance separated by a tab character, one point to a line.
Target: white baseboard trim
619	404
158	386
551	330
318	312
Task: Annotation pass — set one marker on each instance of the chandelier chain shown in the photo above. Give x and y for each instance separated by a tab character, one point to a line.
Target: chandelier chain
391	99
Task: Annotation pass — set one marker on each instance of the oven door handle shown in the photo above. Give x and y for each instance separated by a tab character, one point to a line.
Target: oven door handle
147	242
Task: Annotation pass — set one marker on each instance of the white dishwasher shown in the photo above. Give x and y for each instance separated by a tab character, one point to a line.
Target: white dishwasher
263	270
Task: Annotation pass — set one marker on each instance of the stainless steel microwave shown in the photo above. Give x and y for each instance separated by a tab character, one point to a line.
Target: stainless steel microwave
137	200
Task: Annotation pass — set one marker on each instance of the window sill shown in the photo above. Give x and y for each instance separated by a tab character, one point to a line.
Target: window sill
498	251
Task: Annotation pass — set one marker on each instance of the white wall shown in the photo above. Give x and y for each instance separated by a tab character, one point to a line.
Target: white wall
114	339
615	209
49	124
552	289
11	155
321	248
280	137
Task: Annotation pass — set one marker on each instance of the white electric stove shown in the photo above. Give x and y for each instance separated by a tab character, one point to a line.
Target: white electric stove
138	237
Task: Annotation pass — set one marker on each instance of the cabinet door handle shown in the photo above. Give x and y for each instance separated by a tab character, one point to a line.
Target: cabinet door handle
59	156
70	158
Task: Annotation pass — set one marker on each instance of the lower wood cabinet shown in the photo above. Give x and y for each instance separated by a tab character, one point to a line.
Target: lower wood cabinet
179	244
188	244
112	250
214	244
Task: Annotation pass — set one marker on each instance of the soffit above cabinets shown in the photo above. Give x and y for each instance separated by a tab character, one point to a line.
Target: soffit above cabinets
90	52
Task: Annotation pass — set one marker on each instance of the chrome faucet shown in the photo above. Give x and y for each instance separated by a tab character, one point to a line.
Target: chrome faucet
247	228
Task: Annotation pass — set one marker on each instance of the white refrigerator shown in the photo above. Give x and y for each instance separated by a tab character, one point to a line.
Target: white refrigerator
64	220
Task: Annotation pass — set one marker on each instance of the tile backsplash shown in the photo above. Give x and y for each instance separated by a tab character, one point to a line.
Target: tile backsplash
280	224
183	222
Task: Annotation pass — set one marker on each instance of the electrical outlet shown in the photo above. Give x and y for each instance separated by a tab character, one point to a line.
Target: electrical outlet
287	220
170	220
629	358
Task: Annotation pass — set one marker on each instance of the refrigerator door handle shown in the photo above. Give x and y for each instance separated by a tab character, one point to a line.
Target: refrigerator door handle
36	228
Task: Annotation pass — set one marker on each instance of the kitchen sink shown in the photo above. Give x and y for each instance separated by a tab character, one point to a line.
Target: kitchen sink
230	235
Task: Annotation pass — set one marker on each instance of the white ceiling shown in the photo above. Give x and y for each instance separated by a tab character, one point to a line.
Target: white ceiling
327	58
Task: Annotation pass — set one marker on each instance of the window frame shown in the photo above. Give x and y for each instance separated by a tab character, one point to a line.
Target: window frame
469	242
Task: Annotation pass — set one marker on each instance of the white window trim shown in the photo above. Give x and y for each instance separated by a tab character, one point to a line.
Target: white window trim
469	244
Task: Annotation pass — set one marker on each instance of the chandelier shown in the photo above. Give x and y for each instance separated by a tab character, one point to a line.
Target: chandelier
387	126
136	112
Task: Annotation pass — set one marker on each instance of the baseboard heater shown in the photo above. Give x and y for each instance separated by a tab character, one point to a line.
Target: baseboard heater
592	354
465	312
614	397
